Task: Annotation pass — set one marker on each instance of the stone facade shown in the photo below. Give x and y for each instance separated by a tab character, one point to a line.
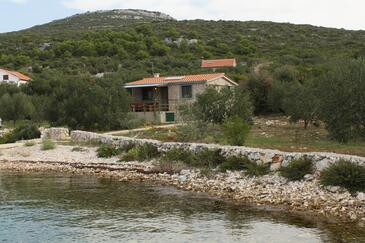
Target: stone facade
275	158
56	133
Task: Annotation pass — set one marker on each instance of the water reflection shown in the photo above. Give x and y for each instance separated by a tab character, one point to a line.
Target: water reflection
63	208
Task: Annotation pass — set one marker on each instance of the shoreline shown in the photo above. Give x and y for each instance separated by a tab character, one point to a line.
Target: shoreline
304	197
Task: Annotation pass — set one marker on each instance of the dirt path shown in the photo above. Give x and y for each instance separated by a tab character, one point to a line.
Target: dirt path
140	129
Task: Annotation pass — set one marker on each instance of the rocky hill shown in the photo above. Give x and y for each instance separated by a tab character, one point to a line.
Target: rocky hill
106	19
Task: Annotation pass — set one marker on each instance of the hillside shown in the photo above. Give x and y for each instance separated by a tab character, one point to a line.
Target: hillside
135	43
104	19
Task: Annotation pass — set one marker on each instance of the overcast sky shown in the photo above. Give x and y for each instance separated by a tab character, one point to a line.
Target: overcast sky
348	14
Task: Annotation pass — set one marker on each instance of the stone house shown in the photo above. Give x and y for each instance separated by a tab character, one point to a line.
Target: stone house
13	77
157	99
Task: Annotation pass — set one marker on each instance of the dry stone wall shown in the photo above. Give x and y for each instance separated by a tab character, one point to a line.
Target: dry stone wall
55	133
275	158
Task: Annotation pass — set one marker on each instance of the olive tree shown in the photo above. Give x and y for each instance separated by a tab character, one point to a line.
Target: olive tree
343	101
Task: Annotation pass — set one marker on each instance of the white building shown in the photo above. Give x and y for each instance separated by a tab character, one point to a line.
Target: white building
13	77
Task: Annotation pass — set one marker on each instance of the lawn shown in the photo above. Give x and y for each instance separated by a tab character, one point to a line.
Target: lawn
269	132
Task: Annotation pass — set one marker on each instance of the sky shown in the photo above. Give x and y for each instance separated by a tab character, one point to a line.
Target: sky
348	14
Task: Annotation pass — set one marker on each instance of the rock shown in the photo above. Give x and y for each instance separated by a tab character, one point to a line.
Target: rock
361	196
309	177
182	178
333	189
275	166
277	159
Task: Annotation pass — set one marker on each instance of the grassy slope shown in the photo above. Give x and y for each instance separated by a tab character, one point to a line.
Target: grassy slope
276	133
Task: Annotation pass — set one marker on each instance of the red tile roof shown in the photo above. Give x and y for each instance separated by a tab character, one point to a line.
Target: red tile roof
177	79
18	74
219	63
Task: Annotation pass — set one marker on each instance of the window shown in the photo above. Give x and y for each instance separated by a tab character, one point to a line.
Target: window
187	92
147	94
5	77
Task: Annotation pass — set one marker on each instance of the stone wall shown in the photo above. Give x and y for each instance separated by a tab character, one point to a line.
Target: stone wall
55	133
275	158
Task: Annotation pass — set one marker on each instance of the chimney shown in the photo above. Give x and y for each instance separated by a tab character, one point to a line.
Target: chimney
156	75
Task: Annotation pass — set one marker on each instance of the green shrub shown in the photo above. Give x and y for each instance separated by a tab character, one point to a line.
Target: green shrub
297	169
107	151
23	132
29	144
169	167
236	130
235	163
207	158
141	153
345	174
178	154
254	169
48	144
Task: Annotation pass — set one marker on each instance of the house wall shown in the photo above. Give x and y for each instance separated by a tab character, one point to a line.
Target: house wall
12	78
220	82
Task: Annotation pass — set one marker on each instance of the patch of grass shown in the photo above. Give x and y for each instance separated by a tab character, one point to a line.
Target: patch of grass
208	158
344	174
79	149
48	144
169	167
201	158
177	154
141	153
30	143
271	132
297	169
254	169
235	163
107	151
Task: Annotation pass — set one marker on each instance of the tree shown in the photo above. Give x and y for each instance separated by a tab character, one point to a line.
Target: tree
16	107
300	103
342	100
217	105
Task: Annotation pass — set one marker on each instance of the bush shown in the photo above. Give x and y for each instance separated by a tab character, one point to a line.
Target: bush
254	169
235	163
48	144
24	132
217	105
141	153
107	151
345	174
236	130
178	155
207	158
169	167
297	169
29	144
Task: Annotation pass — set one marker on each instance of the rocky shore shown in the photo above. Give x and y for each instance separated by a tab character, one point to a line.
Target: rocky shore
306	196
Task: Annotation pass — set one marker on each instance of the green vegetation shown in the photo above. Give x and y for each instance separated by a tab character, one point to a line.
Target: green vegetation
236	130
141	153
297	169
270	132
23	132
107	151
30	144
254	169
79	66
345	174
235	163
48	144
343	102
